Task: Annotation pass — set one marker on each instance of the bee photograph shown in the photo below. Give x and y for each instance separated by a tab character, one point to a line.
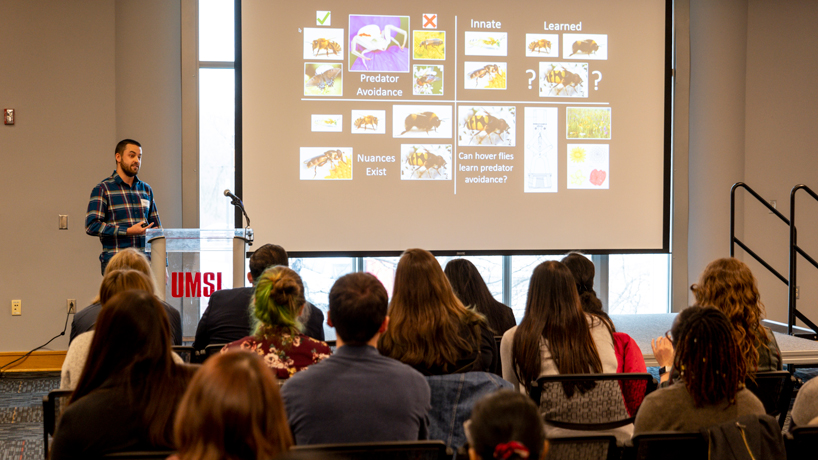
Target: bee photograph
325	163
585	46
323	79
326	123
563	79
588	166
587	123
487	126
542	45
484	75
423	121
324	44
378	43
429	44
486	44
425	161
428	80
368	122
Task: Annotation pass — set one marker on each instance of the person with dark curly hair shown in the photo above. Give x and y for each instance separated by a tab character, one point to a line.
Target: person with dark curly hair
710	389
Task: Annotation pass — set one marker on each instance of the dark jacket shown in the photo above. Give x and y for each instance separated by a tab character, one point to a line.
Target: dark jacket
749	437
85	319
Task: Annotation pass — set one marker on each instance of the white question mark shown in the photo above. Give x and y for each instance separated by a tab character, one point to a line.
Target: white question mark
599	75
533	76
505	178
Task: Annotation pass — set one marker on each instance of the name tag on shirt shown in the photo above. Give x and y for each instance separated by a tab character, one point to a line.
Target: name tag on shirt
146	205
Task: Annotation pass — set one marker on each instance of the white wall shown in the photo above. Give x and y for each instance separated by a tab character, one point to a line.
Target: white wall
81	75
780	143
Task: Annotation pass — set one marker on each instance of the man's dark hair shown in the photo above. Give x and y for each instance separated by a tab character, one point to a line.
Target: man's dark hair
357	307
124	143
267	256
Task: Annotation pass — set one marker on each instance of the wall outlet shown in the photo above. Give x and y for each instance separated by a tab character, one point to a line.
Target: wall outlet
16	307
72	306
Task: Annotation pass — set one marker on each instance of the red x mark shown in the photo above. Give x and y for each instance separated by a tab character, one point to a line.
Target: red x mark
429	21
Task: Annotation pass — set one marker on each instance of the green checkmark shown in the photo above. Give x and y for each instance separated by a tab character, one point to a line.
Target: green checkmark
321	21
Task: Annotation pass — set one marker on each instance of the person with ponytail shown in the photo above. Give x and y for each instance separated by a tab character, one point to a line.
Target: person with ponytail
583	271
506	425
277	301
710	389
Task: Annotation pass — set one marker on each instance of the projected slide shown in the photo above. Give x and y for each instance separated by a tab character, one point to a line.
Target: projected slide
457	126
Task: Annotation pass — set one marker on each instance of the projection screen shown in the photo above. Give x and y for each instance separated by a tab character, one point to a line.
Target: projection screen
459	127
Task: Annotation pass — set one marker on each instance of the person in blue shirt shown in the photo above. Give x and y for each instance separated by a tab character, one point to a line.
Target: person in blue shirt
122	207
357	395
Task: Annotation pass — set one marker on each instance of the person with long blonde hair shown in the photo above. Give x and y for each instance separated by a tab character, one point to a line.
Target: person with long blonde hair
233	410
728	285
278	299
126	259
430	329
115	281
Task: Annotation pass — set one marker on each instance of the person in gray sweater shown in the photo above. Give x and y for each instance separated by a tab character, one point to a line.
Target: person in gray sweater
710	389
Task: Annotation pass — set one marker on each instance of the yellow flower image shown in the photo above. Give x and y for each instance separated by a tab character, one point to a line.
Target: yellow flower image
577	178
341	171
498	81
577	155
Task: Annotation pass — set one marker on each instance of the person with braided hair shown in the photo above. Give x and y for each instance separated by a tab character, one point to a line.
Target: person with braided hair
277	301
710	389
506	425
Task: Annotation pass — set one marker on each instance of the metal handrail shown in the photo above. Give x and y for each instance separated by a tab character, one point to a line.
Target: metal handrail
735	241
794	251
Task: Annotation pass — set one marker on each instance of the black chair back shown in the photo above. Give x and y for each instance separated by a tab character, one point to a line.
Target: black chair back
667	445
213	348
601	407
774	389
406	450
584	447
801	442
53	404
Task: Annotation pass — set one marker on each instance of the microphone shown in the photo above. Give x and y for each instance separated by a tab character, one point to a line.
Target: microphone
235	201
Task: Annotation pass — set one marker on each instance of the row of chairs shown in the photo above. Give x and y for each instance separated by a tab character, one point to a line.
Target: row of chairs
660	446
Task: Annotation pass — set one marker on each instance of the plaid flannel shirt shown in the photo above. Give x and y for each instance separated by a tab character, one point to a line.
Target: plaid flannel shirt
115	206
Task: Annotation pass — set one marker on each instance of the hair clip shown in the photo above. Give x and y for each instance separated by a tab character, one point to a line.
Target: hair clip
506	450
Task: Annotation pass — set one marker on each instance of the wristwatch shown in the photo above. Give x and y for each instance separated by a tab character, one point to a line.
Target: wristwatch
664	369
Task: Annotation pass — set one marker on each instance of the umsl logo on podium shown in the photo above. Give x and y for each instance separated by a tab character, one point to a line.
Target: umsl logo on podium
196	284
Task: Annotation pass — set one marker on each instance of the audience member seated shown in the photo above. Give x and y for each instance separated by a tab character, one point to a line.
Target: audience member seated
805	407
232	409
430	329
555	336
126	397
629	356
131	259
278	300
115	281
506	425
373	398
729	285
470	288
227	316
712	372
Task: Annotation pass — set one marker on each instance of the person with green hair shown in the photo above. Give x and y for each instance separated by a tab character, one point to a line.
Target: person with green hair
277	301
